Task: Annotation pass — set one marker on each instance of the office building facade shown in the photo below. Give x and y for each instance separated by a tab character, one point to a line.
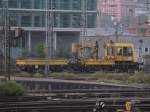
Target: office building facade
30	15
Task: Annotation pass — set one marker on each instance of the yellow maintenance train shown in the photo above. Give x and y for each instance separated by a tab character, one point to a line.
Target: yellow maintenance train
118	57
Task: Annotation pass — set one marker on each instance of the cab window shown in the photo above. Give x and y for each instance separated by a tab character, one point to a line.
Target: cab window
127	51
119	51
130	52
110	51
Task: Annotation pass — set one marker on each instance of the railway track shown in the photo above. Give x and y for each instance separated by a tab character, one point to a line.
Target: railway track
67	105
77	101
94	93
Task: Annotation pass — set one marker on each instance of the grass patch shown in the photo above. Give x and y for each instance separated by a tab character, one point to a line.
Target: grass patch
37	75
139	78
119	78
23	74
11	88
123	78
26	74
110	76
64	75
109	81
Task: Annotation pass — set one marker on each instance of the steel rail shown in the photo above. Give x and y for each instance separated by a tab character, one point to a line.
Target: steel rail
97	90
72	105
64	107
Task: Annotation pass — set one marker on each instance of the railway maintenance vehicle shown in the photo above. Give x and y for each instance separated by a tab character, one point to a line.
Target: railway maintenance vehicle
118	57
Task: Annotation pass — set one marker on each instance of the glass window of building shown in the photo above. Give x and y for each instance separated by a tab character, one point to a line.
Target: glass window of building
54	4
1	3
65	20
91	20
146	49
142	18
76	20
43	19
26	21
76	4
14	20
56	20
43	4
91	4
26	4
1	18
65	4
12	3
37	4
37	21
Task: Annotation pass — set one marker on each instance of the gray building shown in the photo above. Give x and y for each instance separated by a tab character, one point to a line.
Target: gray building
141	11
31	16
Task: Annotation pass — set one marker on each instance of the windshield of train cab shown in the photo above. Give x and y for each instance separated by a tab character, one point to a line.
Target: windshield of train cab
124	51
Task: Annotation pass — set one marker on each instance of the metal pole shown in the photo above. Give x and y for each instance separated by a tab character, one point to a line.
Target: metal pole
140	51
46	40
9	50
51	22
116	32
49	34
83	22
1	35
6	39
98	25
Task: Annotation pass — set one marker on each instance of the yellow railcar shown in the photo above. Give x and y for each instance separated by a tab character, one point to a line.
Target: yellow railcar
117	57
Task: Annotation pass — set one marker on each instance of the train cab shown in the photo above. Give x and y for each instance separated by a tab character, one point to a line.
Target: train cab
120	52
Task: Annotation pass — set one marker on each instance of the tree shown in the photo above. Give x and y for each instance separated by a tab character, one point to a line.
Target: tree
11	88
40	50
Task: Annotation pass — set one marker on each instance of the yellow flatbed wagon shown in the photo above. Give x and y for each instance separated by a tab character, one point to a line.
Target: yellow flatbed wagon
41	62
117	57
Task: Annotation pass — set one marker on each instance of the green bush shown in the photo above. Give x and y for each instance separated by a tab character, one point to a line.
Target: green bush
40	50
11	88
